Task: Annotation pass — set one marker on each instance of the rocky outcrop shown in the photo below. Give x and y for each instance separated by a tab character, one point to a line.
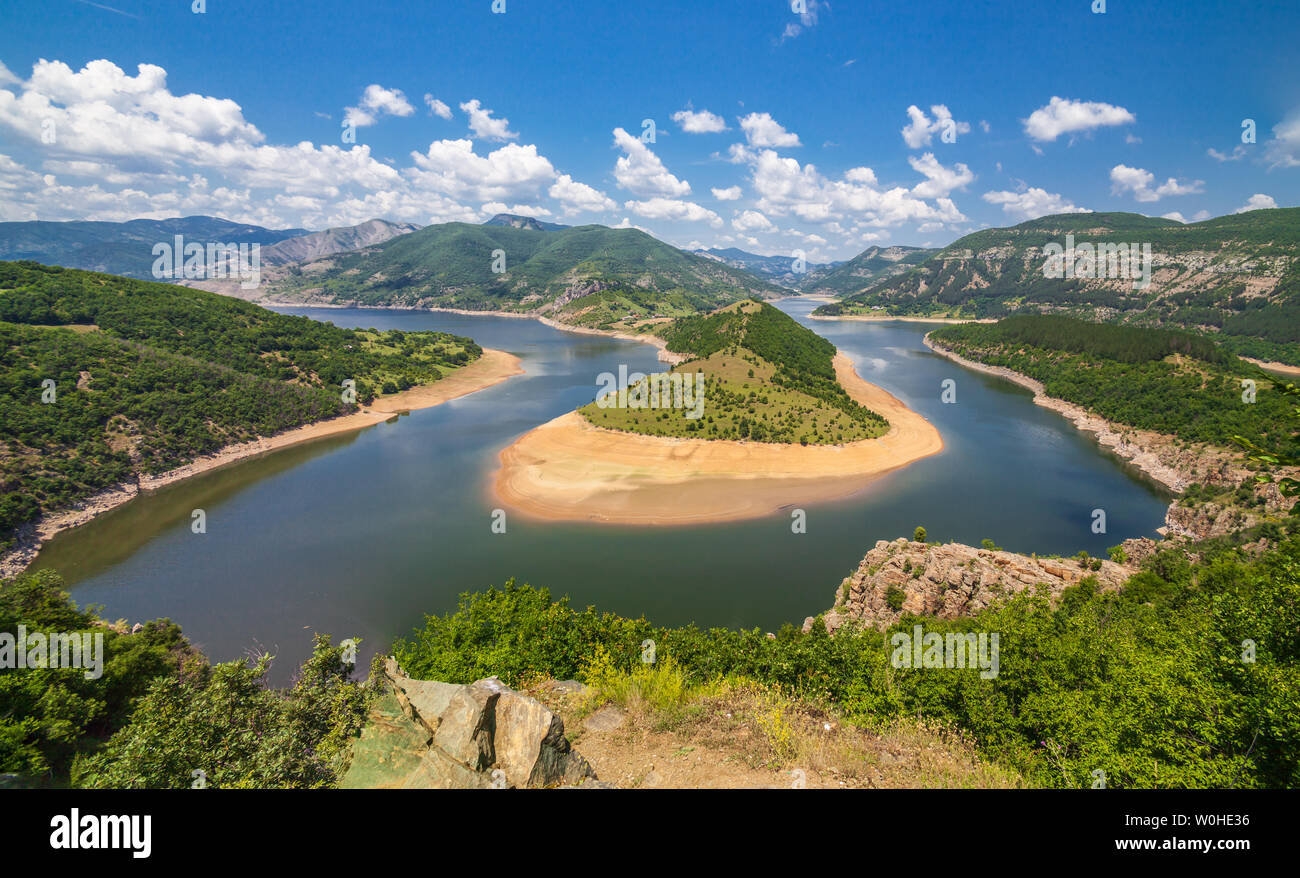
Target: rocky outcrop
432	735
951	580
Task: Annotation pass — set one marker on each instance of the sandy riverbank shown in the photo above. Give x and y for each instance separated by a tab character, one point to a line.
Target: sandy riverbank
491	368
569	470
1272	366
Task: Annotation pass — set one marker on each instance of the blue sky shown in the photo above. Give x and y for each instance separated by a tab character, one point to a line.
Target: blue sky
239	112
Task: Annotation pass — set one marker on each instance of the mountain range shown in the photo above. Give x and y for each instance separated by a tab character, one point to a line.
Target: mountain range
777	269
123	248
1235	276
591	275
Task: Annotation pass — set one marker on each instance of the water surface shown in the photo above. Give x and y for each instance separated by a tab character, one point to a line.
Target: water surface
360	535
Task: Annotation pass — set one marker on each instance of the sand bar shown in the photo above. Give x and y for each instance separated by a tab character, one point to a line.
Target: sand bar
570	470
1274	366
491	368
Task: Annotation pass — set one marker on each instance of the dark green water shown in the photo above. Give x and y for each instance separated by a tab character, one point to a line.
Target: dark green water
360	535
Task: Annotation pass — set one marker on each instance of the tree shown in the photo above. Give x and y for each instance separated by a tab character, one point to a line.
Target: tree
919	534
1289	487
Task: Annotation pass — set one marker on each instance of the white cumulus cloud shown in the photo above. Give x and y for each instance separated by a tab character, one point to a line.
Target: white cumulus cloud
1138	182
437	107
699	122
640	171
1031	203
483	126
377	101
673	209
1258	201
1065	116
762	130
921	129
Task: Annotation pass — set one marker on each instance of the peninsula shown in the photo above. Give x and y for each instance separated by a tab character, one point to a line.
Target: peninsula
762	414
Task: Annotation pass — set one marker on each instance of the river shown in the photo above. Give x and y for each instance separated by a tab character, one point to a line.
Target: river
360	535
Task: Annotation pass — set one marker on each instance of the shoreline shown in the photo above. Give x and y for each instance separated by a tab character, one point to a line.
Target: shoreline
1274	366
1108	435
665	355
493	367
571	470
871	318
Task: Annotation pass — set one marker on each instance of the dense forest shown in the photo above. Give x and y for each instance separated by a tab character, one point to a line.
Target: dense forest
105	378
767	379
1167	381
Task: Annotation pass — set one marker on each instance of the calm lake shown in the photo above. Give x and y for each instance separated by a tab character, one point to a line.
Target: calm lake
361	535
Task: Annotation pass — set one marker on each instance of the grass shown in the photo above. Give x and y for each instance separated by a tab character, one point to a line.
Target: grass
762	727
740	402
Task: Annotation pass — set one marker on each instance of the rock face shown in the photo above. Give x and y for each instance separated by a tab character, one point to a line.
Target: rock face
422	734
949	581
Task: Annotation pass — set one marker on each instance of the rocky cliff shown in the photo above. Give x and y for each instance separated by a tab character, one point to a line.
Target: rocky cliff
952	580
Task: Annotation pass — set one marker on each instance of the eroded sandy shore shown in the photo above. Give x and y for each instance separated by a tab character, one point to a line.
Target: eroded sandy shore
491	368
569	470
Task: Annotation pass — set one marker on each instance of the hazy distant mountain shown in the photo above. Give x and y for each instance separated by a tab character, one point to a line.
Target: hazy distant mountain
589	274
778	269
1236	275
123	248
318	244
868	268
524	222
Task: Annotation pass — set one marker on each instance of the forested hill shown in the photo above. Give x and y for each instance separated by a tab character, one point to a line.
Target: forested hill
1168	381
550	271
1236	277
767	379
103	378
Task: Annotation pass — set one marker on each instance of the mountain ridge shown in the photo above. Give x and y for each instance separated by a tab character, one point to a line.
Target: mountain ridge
1236	277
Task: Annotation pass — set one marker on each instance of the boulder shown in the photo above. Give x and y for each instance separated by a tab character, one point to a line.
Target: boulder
465	728
530	744
424	734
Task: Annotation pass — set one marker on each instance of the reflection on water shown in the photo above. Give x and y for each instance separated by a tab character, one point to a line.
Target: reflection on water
360	535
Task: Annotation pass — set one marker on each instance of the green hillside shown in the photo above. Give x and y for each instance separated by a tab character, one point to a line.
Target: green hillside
767	379
1236	277
148	376
1172	382
548	271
